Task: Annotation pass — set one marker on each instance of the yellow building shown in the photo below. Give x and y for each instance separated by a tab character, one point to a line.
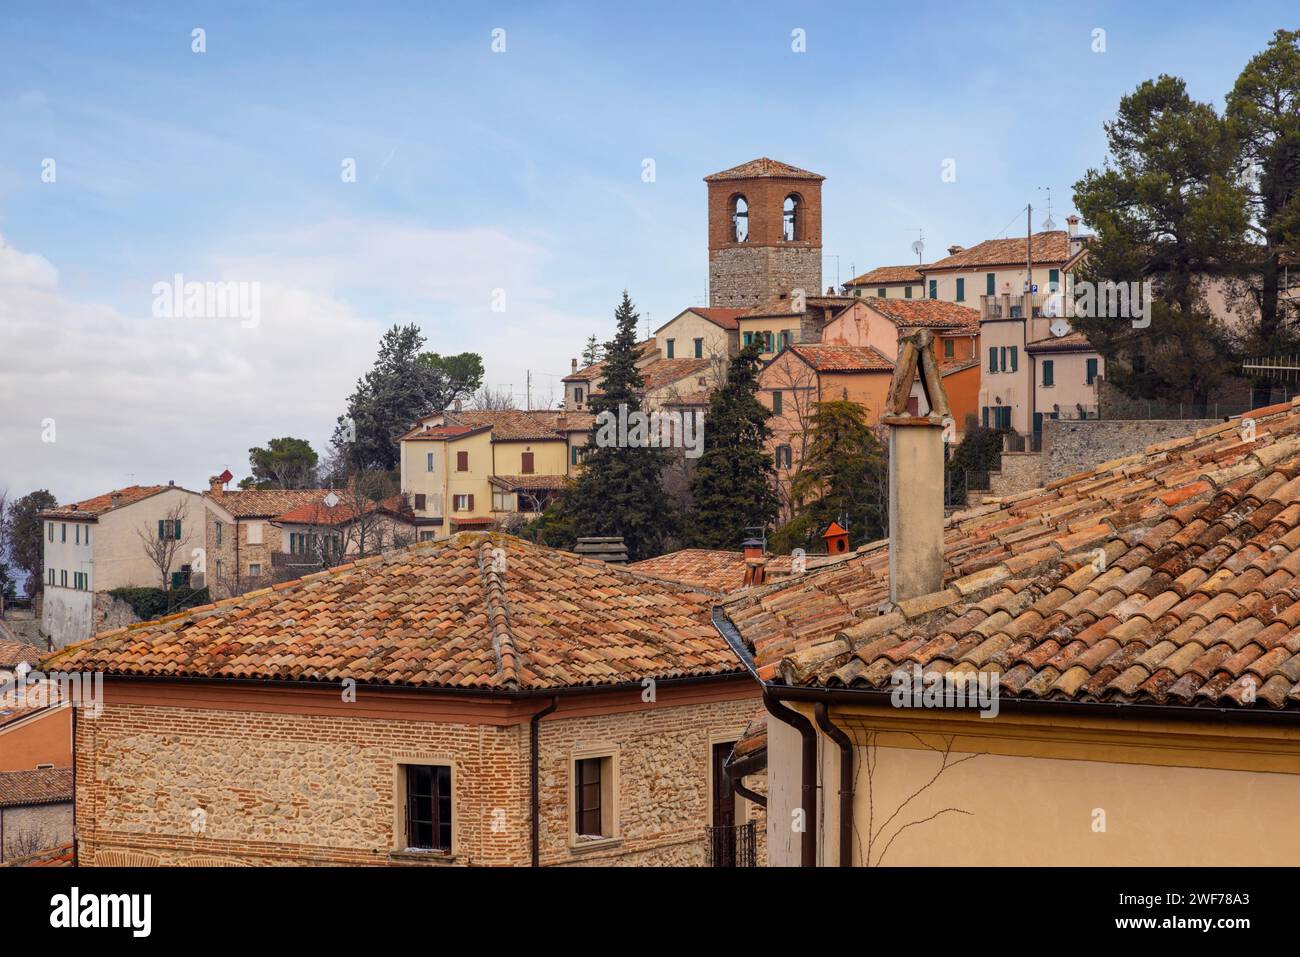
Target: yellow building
477	469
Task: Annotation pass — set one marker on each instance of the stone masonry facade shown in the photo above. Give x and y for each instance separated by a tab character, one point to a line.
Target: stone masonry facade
164	785
234	552
741	277
1077	445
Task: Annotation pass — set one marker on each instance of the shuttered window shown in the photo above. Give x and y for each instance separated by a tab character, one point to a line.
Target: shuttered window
961	289
990	283
462	461
526	465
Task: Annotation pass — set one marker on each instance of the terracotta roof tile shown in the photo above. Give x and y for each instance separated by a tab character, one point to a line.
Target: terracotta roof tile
825	357
41	786
13	653
762	167
884	275
1049	247
926	313
100	504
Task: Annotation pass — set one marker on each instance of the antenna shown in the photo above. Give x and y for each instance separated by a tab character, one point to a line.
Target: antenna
1049	224
918	246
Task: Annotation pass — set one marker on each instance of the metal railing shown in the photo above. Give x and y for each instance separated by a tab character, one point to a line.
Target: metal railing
734	846
1022	442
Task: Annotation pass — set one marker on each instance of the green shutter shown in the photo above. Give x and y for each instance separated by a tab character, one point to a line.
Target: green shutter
907	293
162	533
1092	371
1014	352
934	289
881	293
961	289
990	284
1047	372
178	529
993	359
1054	279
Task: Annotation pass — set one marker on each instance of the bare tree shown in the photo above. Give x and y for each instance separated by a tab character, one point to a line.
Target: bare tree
26	842
798	386
162	542
489	399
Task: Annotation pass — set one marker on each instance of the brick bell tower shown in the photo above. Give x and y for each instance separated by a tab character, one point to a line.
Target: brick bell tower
765	233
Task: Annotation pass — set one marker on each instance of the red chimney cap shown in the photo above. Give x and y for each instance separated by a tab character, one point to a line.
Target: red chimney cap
835	529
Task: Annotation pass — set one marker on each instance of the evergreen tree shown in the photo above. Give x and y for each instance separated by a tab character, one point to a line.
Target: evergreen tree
592	352
619	490
24	533
732	486
844	478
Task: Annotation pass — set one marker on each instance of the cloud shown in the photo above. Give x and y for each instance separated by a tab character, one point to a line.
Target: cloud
138	399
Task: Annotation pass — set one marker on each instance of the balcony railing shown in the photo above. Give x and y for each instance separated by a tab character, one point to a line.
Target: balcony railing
733	846
1013	305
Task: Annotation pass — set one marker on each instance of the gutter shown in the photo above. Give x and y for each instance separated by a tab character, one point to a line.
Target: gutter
533	776
846	780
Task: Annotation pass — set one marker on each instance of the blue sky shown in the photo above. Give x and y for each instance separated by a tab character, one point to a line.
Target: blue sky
477	171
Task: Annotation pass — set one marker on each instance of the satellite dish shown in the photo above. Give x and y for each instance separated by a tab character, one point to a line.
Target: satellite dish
331	500
918	247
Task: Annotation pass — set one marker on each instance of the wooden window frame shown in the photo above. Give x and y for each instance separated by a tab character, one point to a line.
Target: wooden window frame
462	461
401	836
611	832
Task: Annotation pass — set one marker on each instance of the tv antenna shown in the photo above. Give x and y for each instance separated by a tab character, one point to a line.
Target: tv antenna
1049	224
918	246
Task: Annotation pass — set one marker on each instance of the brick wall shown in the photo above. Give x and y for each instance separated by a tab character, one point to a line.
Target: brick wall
35	828
276	788
1072	446
765	265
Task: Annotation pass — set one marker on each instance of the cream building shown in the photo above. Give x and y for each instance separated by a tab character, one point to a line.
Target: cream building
95	546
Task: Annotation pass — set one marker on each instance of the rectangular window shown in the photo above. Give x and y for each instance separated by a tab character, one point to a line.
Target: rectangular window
993	360
907	293
776	403
1053	279
749	337
63	532
428	462
169	530
577	395
573	455
255	533
461	503
77	533
218	567
1092	371
1048	372
961	289
526	463
426	536
1015	352
63	579
949	348
462	461
784	456
428	807
991	283
767	342
699	348
50	527
254	569
934	289
218	526
671	348
419	502
587	797
881	293
51	570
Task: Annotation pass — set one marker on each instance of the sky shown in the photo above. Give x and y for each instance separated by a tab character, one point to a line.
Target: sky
500	197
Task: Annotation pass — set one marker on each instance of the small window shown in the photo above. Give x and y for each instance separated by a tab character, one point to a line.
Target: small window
428	461
592	798
428	807
63	532
573	455
169	530
1049	372
461	503
776	402
699	348
934	289
50	527
255	533
77	533
907	293
218	567
419	502
749	337
51	571
961	289
63	579
882	293
87	534
462	461
218	526
426	536
993	360
1053	279
526	463
739	219
784	456
577	395
1092	371
990	283
1015	353
254	569
672	347
949	348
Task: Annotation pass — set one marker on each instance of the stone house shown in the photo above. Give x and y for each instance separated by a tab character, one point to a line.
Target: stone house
35	811
476	701
95	546
1098	667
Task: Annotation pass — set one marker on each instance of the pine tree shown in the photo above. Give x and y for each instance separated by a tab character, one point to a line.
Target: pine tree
619	490
844	478
732	486
591	353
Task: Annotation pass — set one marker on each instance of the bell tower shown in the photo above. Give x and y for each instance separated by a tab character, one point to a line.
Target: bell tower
765	233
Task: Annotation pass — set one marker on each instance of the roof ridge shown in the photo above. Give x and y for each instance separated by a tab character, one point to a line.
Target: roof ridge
494	596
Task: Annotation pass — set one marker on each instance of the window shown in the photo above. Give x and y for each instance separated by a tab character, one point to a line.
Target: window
63	579
949	348
218	568
776	402
990	283
462	503
573	455
993	359
218	526
255	533
462	461
1053	279
77	533
699	348
577	395
882	293
907	293
63	532
504	501
784	456
767	341
51	570
50	527
426	536
672	344
428	461
934	289
749	337
428	807
1049	373
419	502
169	530
87	534
961	289
739	219
526	463
1092	372
591	797
791	219
1015	353
254	569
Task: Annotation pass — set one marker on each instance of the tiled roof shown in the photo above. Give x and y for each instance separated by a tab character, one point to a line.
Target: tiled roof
834	358
265	503
565	421
926	313
884	275
664	372
318	513
506	425
785	306
436	614
100	504
1070	342
762	167
645	349
541	483
725	318
13	653
41	786
1169	577
716	570
441	433
1049	248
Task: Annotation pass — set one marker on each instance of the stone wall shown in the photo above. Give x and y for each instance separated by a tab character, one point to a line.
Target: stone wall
743	276
35	828
168	785
1020	472
110	612
1072	446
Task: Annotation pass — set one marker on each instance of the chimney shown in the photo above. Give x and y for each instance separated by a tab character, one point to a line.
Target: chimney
954	250
214	483
1072	224
606	549
837	539
755	563
171	481
573	366
915	473
115	499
